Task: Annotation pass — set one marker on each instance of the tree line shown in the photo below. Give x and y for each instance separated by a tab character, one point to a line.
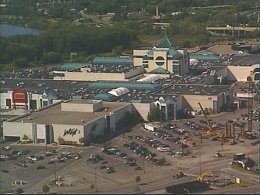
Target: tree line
54	46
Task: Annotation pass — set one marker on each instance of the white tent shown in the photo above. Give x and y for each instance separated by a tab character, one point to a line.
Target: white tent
194	61
119	91
150	78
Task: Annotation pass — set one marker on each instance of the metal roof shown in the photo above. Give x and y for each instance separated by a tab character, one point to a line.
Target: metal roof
105	97
70	66
128	85
121	60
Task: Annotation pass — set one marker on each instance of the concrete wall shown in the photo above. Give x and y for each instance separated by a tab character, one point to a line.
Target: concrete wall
119	114
59	129
138	57
205	100
135	72
98	126
240	73
41	131
17	129
143	109
92	106
90	76
3	97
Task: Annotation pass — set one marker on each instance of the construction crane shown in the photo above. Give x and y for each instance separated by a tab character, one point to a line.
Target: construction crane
209	132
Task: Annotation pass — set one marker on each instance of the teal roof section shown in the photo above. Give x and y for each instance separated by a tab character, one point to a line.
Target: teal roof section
164	42
121	60
174	53
105	97
70	66
205	56
128	85
158	70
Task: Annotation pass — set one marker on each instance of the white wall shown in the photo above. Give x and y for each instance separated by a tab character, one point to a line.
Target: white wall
91	76
41	131
17	129
205	100
240	73
3	97
143	109
58	131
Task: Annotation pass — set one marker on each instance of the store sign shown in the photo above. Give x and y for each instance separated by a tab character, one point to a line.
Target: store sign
71	132
19	96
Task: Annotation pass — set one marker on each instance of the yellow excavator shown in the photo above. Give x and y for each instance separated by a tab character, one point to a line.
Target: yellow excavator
207	173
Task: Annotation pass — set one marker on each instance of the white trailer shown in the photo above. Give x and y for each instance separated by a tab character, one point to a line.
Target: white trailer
150	127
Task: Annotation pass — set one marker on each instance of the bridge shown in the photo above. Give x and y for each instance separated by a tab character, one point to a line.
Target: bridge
229	30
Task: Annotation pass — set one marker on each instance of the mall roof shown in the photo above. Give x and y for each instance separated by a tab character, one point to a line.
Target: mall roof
105	97
205	56
121	60
128	85
54	115
70	67
193	89
245	59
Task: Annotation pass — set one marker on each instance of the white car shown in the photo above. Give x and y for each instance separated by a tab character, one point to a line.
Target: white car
163	149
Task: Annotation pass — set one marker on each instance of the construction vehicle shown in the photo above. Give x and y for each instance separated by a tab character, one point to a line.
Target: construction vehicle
208	173
179	174
210	133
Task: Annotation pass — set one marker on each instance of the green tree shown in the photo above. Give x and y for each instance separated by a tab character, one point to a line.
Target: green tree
45	188
21	62
137	180
51	57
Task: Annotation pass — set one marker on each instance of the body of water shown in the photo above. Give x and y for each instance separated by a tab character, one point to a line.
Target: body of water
7	30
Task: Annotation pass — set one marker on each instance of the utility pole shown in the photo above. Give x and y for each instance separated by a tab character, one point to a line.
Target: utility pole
200	159
96	179
143	165
55	174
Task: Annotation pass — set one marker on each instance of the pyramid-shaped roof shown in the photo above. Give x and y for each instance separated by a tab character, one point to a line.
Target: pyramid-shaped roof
164	42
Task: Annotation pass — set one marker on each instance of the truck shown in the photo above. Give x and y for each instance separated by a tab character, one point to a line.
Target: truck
150	127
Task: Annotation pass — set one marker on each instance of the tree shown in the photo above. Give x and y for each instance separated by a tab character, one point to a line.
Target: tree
51	57
45	188
137	180
21	62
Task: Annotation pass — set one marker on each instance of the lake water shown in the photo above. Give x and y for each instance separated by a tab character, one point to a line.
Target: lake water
7	30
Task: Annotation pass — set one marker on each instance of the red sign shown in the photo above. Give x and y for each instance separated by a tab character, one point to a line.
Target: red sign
19	96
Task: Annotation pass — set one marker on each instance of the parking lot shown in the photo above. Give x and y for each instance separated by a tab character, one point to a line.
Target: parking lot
114	165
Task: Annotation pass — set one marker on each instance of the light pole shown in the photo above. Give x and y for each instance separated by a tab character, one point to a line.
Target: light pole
55	174
96	179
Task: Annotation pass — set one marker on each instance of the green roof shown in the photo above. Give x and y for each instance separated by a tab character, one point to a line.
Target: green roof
159	70
105	97
164	42
206	56
128	85
122	60
70	66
